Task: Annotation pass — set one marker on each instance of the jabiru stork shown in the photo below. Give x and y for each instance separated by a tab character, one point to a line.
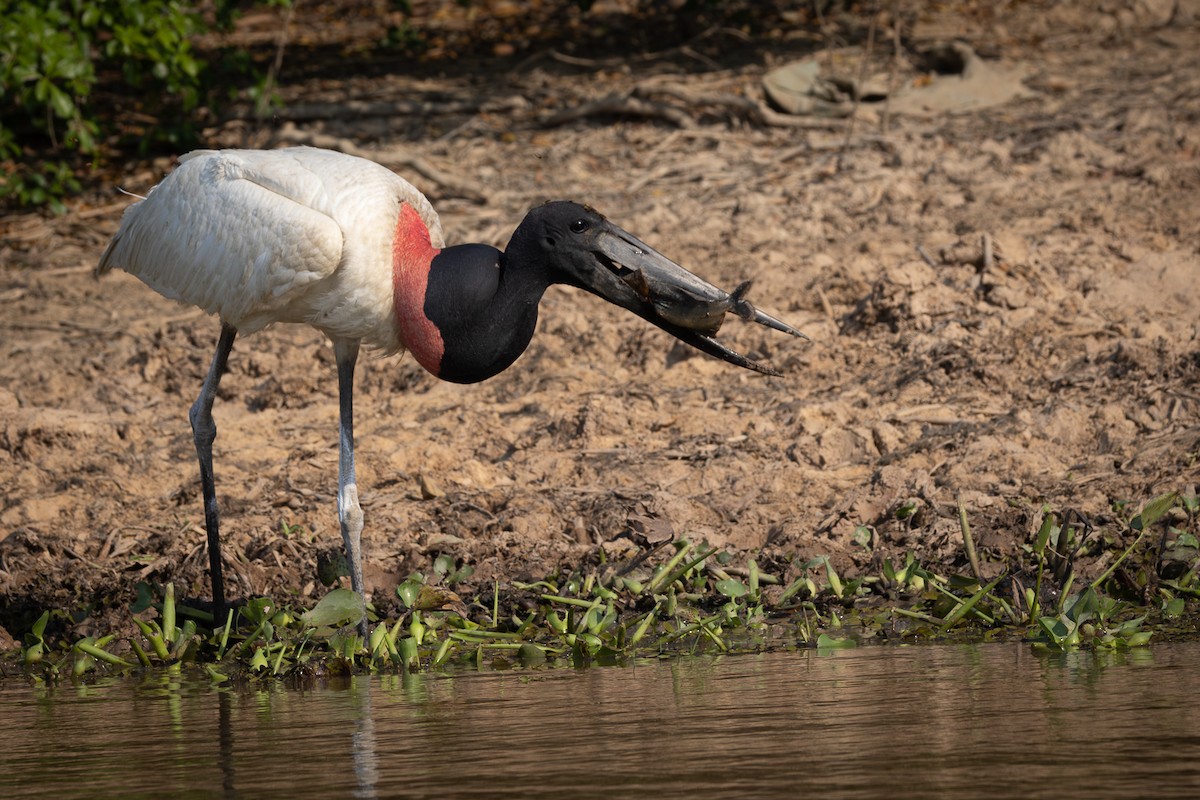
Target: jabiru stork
345	245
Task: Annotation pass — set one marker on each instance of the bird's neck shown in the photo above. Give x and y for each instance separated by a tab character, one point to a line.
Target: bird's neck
465	312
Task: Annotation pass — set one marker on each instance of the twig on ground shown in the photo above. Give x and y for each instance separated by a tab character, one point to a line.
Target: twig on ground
262	102
620	104
885	117
355	109
652	102
862	76
684	49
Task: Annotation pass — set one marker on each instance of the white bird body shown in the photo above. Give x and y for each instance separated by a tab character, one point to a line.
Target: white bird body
316	232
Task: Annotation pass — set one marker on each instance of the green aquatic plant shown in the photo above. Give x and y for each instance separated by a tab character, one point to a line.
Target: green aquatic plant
1090	621
685	597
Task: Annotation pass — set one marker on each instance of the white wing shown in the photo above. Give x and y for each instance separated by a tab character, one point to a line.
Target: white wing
253	236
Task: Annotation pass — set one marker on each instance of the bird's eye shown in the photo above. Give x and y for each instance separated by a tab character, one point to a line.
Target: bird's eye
579	226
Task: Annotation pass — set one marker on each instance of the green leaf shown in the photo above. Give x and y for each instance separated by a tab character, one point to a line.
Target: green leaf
339	607
835	583
1043	534
862	536
39	627
410	589
259	609
1086	606
1154	510
1057	629
61	103
731	588
259	660
144	599
530	654
1139	639
964	607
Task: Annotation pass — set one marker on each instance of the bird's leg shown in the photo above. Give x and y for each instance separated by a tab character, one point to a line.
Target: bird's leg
349	512
204	430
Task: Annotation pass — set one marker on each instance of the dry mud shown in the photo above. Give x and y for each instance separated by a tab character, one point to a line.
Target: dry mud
1002	304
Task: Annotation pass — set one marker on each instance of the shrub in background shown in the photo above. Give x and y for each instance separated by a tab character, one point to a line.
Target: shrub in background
52	54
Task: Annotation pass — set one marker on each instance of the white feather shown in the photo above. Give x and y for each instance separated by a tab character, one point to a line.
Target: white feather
264	236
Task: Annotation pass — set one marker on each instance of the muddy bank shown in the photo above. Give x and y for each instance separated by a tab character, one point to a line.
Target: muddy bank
1001	302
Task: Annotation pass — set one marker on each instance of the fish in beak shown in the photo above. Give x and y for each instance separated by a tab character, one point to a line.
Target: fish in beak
612	263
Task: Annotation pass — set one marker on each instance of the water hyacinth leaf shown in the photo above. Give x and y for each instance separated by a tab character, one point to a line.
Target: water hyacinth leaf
154	635
1086	606
416	629
1130	627
1043	534
443	565
962	609
835	583
35	648
827	642
101	654
184	638
1154	510
39	627
81	661
459	575
1062	632
142	656
259	609
862	537
443	653
591	642
375	644
408	652
731	588
259	660
1139	639
409	589
168	613
793	588
644	626
339	607
531	655
144	599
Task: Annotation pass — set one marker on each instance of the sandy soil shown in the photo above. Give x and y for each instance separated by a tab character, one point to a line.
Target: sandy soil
1059	367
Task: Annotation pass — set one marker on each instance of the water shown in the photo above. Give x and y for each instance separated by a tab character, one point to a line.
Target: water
908	722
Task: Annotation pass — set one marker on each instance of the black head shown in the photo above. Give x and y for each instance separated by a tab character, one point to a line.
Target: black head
568	243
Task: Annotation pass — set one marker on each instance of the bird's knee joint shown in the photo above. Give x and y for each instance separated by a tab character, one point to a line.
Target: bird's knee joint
204	428
349	511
